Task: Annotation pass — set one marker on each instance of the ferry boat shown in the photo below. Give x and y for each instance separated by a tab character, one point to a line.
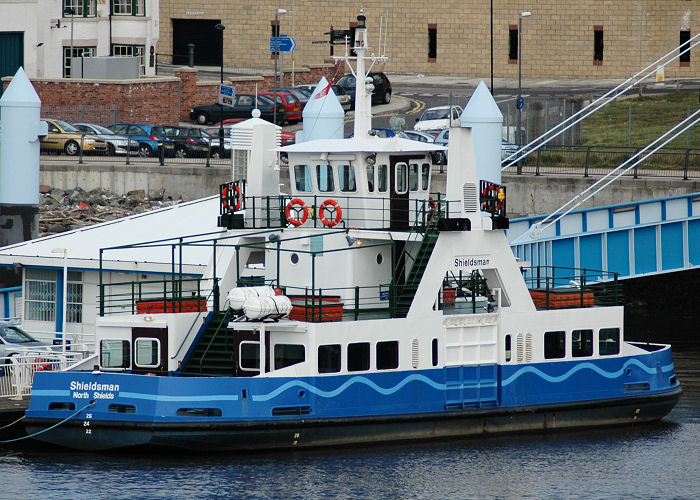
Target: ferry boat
359	307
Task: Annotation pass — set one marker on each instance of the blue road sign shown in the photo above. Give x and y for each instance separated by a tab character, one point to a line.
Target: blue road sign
226	94
284	44
521	102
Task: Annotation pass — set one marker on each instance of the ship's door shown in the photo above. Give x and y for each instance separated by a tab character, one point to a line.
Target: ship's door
398	192
149	350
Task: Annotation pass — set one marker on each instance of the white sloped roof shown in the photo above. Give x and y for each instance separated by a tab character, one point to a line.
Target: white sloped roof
368	145
166	225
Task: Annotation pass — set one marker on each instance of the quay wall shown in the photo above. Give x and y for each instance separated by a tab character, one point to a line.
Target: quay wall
526	194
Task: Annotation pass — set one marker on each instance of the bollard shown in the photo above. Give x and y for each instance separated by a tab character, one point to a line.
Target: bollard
190	55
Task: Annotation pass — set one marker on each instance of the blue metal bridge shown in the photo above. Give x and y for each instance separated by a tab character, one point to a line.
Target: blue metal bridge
633	239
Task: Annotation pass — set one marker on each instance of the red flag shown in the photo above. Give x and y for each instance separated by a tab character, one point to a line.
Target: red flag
324	92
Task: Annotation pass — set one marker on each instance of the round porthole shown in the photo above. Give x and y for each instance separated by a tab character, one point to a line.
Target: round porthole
294	258
380	259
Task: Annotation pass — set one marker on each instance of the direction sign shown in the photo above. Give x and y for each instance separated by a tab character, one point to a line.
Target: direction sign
283	44
521	102
227	94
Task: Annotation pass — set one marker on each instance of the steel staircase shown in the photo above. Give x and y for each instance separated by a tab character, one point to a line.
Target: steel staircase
212	352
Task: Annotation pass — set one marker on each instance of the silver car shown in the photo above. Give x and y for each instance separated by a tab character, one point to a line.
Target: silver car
117	144
15	341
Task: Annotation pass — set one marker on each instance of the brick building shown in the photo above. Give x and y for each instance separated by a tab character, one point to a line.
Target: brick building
579	39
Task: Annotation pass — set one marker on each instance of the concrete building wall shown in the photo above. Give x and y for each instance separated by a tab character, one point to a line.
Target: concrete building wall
557	38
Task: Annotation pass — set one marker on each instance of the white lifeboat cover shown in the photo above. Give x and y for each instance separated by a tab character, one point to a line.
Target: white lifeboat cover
238	296
276	306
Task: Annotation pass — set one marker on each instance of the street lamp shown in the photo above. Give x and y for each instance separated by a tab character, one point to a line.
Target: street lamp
518	134
64	251
220	28
278	13
70	11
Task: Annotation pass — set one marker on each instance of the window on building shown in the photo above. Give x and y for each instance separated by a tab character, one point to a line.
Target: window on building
77	52
146	352
132	51
581	343
114	354
329	358
598	45
432	42
608	341
358	357
274	32
346	178
554	345
129	7
75	297
40	294
324	178
684	48
513	43
382	178
388	355
288	355
80	8
302	178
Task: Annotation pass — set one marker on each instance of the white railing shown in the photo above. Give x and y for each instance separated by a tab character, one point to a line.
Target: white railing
75	342
17	372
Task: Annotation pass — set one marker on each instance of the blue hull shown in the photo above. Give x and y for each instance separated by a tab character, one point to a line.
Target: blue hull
110	410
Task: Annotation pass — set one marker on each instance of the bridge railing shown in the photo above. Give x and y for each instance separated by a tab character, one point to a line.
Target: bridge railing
588	161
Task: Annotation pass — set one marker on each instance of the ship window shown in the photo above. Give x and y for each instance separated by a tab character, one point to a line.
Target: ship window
382	175
358	357
329	358
609	341
114	354
413	177
346	178
581	343
388	355
435	352
288	355
370	178
302	178
400	184
146	352
508	348
249	356
324	176
554	343
425	175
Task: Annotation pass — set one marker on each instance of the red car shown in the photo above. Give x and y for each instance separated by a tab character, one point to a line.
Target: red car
290	102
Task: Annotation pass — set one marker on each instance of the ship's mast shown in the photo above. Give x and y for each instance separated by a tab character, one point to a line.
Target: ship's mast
363	98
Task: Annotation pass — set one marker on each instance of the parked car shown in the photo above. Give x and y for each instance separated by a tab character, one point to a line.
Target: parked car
148	137
15	341
213	134
442	139
187	141
292	105
287	138
117	144
415	135
65	137
241	110
439	118
380	94
302	94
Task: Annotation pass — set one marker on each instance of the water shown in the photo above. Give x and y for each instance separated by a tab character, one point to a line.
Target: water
660	460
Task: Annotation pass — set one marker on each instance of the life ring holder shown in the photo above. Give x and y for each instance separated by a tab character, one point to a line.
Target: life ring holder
302	207
326	205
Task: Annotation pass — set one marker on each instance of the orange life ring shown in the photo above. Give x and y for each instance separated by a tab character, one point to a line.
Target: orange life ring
336	208
237	197
304	215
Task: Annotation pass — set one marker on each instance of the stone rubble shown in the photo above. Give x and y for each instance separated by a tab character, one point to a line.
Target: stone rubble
61	211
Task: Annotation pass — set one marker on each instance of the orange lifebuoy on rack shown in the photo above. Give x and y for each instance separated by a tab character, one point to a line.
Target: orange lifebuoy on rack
335	208
237	196
304	212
